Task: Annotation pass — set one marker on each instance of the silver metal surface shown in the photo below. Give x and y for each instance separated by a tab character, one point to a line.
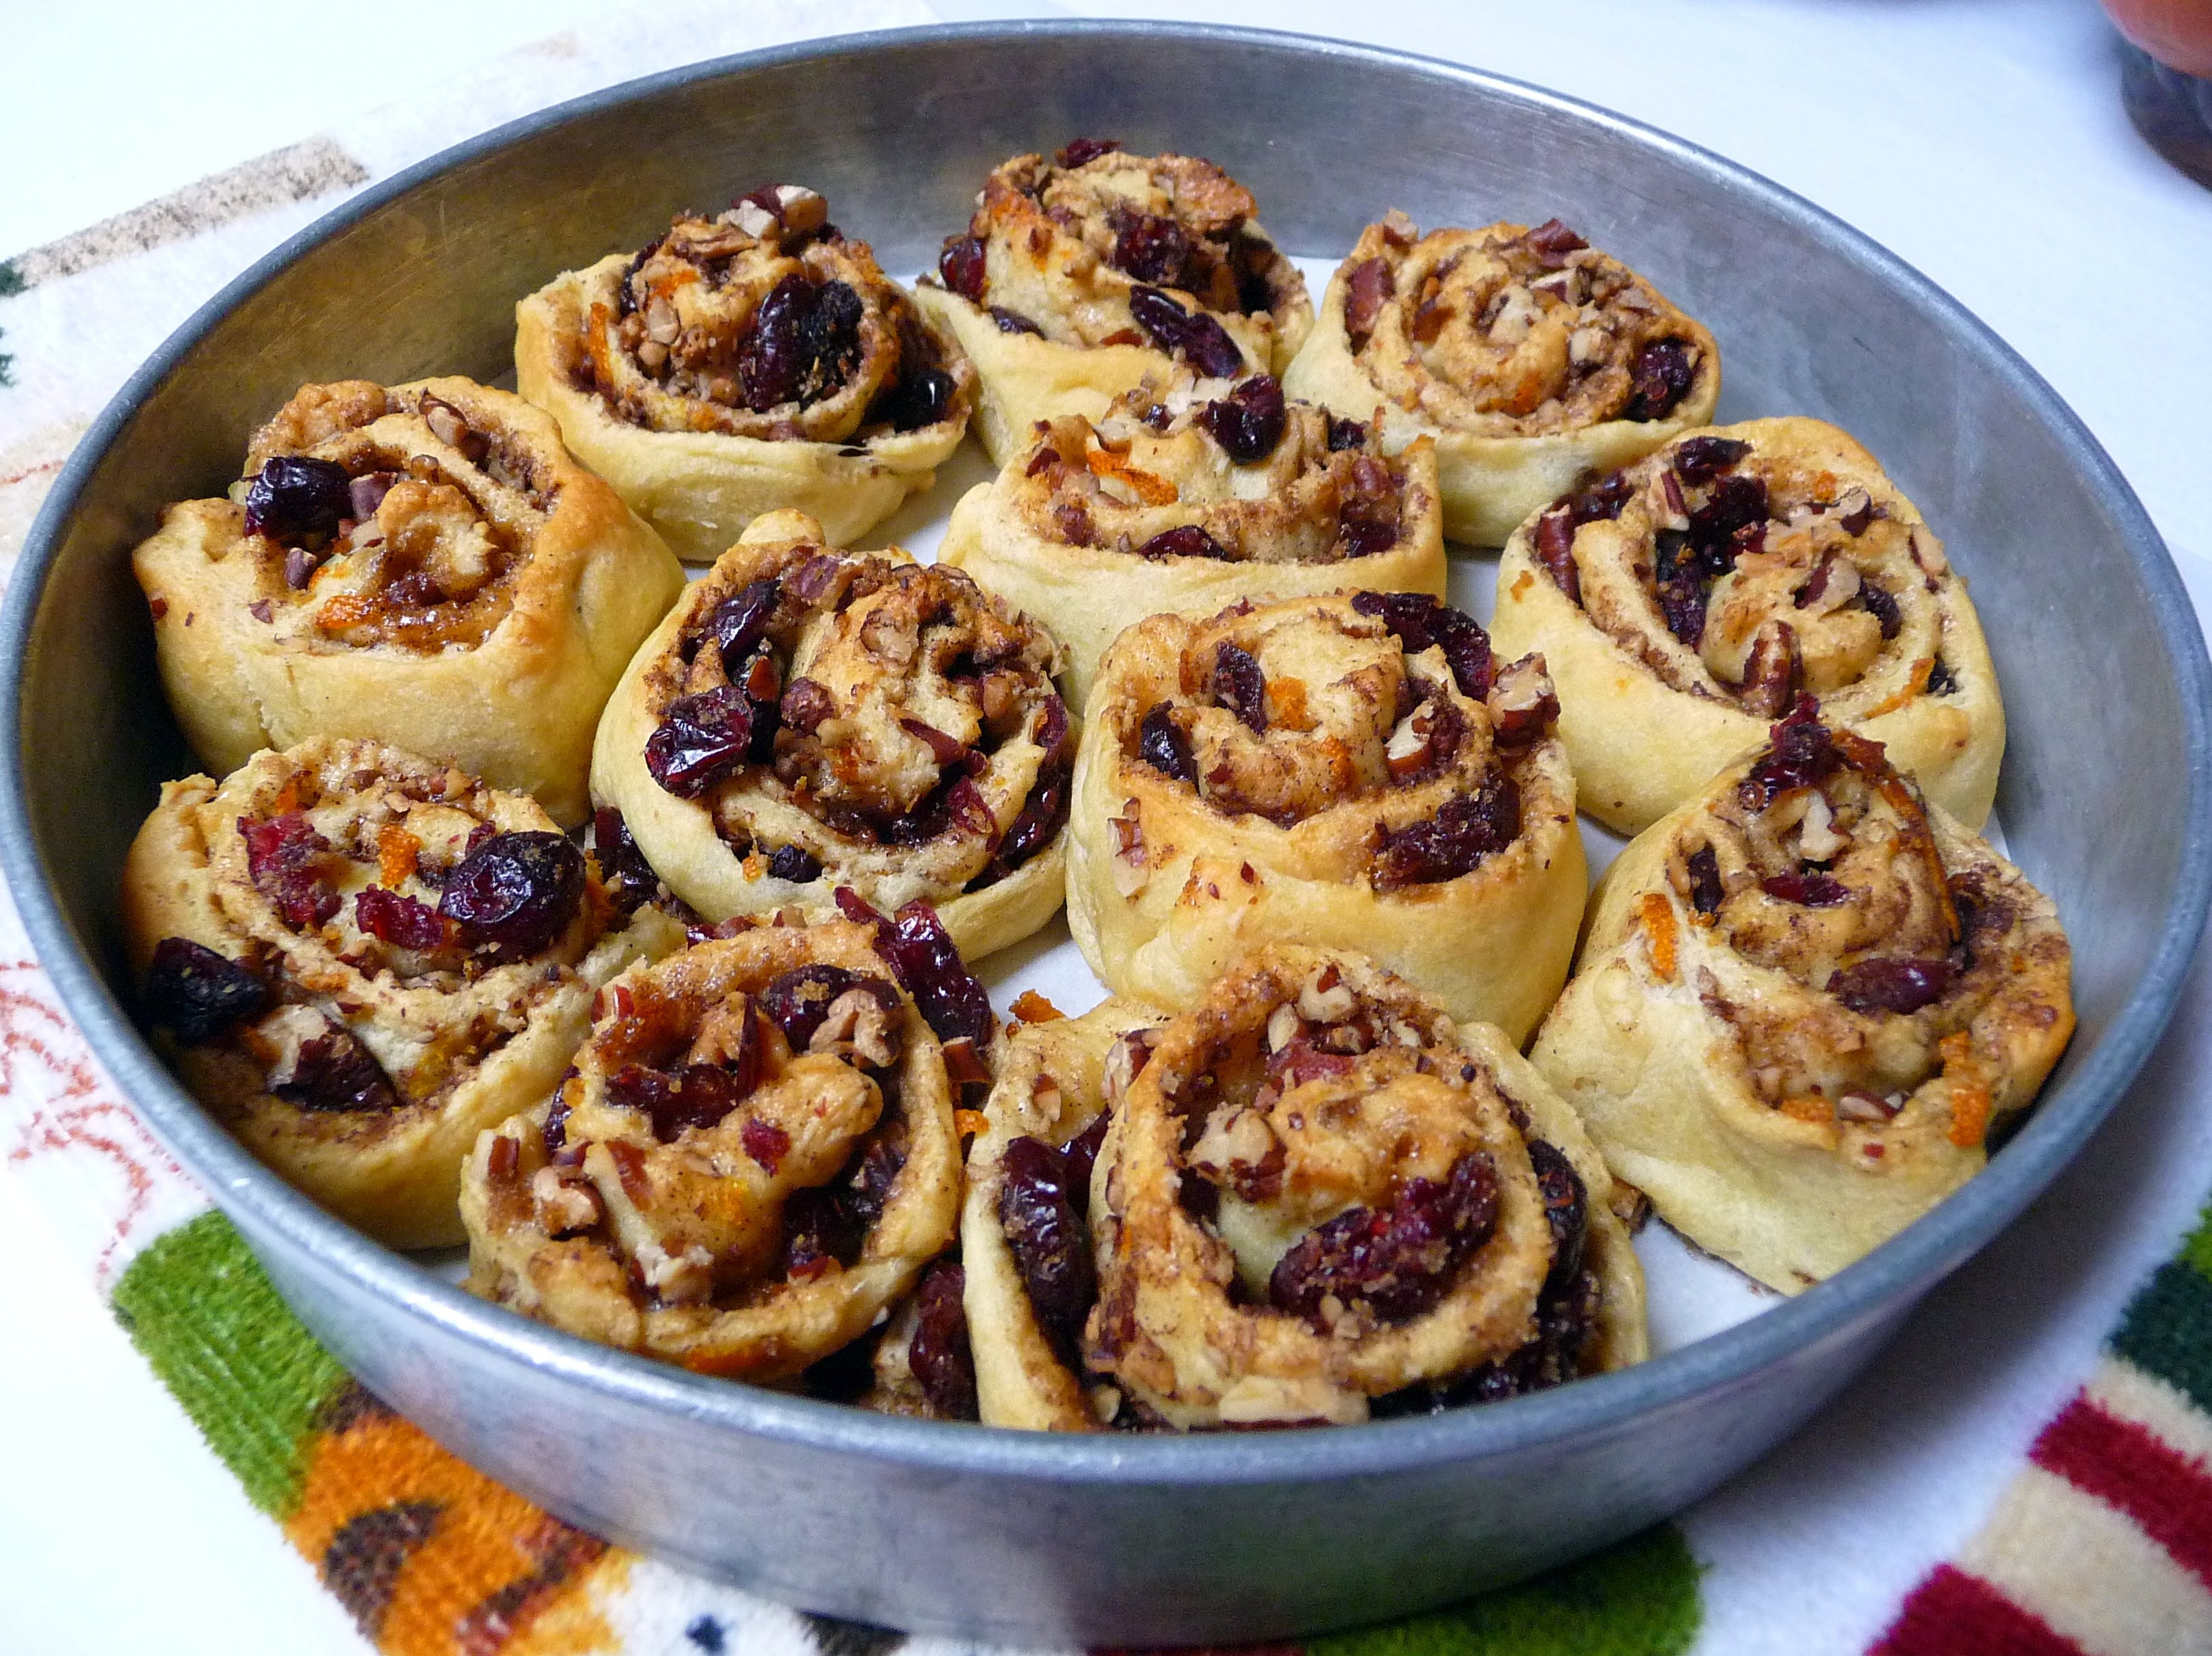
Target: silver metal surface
962	1529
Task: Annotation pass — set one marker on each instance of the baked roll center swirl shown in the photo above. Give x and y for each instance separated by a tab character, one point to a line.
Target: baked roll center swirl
752	1156
1316	1198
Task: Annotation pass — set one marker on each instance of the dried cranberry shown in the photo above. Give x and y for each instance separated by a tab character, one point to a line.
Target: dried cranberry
798	1000
1552	242
1042	815
1735	504
395	918
1942	681
1365	291
1188	541
621	865
1345	434
690	1095
1014	322
1081	151
516	892
197	992
1682	602
335	1071
1249	422
1046	1235
920	397
1150	248
1899	986
1080	1156
1706	888
1419	622
295	495
921	956
1810	891
284	858
1463	832
555	1133
1660	377
740	621
1240	686
1801	753
1161	745
938	1355
1199	339
961	266
1881	604
765	1142
1700	459
1566	1208
795	863
801	345
1397	1261
703	739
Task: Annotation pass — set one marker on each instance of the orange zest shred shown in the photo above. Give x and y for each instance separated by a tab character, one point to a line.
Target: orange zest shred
1657	916
1286	704
1970	1092
969	1123
396	851
1032	1007
1808	1106
595	341
1922	668
1151	490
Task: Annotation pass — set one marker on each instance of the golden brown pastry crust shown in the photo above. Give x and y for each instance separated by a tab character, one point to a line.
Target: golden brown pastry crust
1532	358
751	1243
907	673
479	612
444	1040
1091	527
655	367
1378	1180
1383	808
1864	620
1040	290
1797	1045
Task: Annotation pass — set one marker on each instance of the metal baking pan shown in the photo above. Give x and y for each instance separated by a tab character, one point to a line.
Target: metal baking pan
2107	802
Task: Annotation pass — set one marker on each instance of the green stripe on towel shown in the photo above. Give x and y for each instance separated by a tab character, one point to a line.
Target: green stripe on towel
198	1308
1638	1598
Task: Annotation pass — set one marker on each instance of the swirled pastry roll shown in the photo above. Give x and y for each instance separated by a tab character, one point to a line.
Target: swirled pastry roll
751	1161
1028	1274
1352	771
744	363
1804	998
358	958
1531	358
422	564
1686	601
1080	277
806	719
1318	1201
1190	497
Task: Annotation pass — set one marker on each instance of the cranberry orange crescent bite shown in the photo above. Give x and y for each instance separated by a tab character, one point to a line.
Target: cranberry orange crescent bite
1080	276
422	564
1531	358
742	363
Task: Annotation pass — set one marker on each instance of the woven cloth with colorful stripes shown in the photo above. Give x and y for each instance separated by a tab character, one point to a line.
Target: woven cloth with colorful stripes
2100	1543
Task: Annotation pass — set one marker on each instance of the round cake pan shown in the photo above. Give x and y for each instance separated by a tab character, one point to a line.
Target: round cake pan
970	1531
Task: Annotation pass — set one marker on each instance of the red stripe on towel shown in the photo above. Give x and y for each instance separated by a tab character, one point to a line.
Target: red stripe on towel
2167	1493
1955	1614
